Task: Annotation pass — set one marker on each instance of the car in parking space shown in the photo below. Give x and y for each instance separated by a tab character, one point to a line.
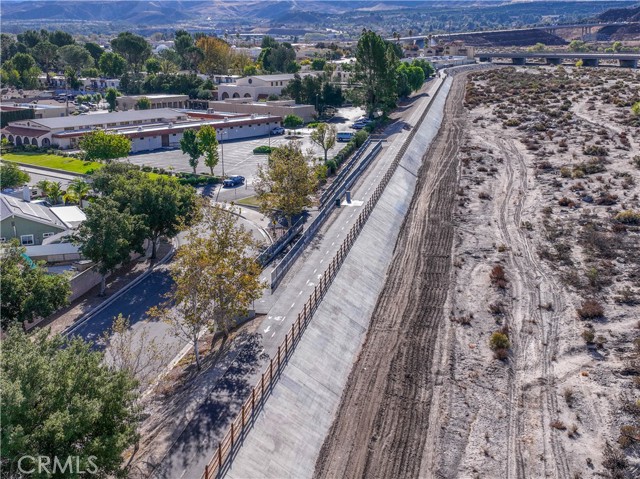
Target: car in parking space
278	130
344	135
360	124
232	181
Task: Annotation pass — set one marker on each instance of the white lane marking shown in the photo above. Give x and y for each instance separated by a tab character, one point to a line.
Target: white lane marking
273	334
300	293
267	330
321	261
314	271
332	244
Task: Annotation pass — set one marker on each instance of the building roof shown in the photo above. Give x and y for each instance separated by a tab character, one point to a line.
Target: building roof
159	96
20	131
284	76
12	206
104	118
71	216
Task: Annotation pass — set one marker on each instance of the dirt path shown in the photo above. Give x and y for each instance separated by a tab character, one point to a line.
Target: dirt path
382	424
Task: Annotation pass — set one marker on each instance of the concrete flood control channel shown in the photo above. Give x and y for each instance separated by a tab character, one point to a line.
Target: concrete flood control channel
289	430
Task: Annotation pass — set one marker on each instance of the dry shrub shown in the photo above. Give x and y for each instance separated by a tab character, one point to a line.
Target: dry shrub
590	309
558	424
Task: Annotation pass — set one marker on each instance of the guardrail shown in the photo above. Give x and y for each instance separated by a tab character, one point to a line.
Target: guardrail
259	393
285	264
268	254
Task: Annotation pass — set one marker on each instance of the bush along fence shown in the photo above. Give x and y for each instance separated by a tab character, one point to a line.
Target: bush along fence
248	412
268	254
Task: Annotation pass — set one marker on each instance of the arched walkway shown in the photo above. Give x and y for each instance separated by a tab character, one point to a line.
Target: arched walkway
235	95
46	142
225	95
18	141
247	95
10	138
34	142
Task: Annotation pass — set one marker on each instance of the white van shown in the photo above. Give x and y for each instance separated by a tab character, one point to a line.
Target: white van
344	135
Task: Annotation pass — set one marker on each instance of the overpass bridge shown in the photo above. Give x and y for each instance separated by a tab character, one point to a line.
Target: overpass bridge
586	28
588	59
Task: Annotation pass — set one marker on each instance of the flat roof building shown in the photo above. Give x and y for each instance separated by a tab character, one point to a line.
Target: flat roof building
125	103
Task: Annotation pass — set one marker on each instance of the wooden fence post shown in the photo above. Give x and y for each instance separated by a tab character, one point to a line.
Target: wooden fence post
243	415
219	456
262	381
278	357
253	400
232	435
206	471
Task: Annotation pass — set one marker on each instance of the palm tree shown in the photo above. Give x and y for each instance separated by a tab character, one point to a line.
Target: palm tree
80	188
43	186
55	193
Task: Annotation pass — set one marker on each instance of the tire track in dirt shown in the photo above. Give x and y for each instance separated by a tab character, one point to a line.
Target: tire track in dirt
381	425
529	278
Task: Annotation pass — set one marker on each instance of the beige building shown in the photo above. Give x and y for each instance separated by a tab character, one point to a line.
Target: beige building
280	108
125	103
258	87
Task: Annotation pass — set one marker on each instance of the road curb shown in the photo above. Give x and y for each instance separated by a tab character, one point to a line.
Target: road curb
83	320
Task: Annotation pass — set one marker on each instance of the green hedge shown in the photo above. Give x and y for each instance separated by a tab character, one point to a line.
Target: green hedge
262	150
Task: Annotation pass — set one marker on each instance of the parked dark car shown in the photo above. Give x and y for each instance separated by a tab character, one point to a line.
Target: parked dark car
234	180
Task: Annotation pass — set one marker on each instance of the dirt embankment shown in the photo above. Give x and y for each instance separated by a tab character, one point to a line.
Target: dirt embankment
506	342
380	428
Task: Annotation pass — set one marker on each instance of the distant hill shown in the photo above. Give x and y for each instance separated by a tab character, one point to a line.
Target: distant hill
621	15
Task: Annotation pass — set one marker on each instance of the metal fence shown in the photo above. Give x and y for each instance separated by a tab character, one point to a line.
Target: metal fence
240	426
335	184
268	254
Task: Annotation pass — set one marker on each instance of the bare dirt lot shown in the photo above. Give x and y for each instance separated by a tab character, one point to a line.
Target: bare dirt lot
506	342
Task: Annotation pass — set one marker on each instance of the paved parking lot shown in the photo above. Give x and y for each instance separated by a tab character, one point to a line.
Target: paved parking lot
238	156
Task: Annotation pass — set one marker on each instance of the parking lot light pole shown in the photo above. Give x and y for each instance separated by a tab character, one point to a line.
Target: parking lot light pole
222	148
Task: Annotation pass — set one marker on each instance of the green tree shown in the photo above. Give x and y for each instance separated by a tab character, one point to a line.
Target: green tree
617	46
166	206
216	278
143	103
426	66
54	193
103	146
318	64
286	184
292	121
80	188
190	146
75	57
250	70
109	235
374	60
61	38
95	50
578	46
325	137
60	399
134	48
27	291
11	176
26	67
209	144
635	109
112	64
110	97
8	47
152	65
46	54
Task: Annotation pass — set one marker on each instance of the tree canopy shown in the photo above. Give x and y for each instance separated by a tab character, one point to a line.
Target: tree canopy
100	145
209	146
324	136
286	183
112	64
375	58
109	235
11	176
191	147
27	290
133	48
59	399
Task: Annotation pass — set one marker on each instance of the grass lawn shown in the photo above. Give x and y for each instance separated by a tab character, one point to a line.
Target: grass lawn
249	201
53	161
